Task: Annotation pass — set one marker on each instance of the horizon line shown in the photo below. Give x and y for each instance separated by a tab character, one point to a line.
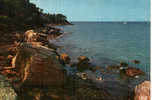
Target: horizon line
109	21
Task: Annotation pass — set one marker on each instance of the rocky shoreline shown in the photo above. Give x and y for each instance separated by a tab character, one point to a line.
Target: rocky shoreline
36	71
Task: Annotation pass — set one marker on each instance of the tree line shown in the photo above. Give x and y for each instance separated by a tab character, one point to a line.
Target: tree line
23	14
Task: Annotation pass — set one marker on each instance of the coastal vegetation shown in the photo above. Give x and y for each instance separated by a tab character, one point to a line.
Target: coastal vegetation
22	14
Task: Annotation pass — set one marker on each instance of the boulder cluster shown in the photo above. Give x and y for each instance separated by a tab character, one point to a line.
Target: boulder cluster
36	71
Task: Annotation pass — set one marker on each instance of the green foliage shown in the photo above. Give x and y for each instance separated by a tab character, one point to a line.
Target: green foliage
55	18
22	13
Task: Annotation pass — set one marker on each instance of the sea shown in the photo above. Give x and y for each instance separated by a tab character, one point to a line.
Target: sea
109	43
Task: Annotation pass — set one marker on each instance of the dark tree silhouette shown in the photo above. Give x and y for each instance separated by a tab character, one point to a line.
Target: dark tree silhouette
23	14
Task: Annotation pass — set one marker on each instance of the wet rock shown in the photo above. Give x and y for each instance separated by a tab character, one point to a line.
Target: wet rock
65	59
93	69
89	76
83	63
83	58
73	64
136	61
83	76
6	91
113	67
122	72
142	91
37	65
132	72
99	78
124	64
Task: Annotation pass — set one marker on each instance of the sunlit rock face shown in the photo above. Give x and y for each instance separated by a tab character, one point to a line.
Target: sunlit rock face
6	91
30	36
37	65
142	91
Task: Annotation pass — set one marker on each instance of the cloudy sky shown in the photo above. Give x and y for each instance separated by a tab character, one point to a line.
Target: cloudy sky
98	10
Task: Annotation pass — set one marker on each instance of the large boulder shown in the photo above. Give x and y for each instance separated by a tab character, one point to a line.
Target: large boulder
65	59
38	65
6	91
142	91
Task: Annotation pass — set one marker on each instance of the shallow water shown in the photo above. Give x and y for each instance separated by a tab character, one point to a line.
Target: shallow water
109	42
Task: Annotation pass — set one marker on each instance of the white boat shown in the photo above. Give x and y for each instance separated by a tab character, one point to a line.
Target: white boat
124	22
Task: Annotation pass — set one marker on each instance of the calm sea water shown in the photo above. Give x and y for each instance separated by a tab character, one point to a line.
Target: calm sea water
108	43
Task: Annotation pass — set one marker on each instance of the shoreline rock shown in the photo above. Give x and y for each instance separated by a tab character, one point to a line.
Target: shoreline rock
83	63
132	72
65	59
142	91
37	65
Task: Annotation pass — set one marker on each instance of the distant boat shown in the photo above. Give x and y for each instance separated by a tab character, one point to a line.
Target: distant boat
124	22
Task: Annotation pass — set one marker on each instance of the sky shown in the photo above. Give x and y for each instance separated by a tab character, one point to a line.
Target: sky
98	10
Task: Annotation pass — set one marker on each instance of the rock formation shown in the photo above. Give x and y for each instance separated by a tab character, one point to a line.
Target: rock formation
83	63
142	91
65	59
30	36
132	72
37	65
